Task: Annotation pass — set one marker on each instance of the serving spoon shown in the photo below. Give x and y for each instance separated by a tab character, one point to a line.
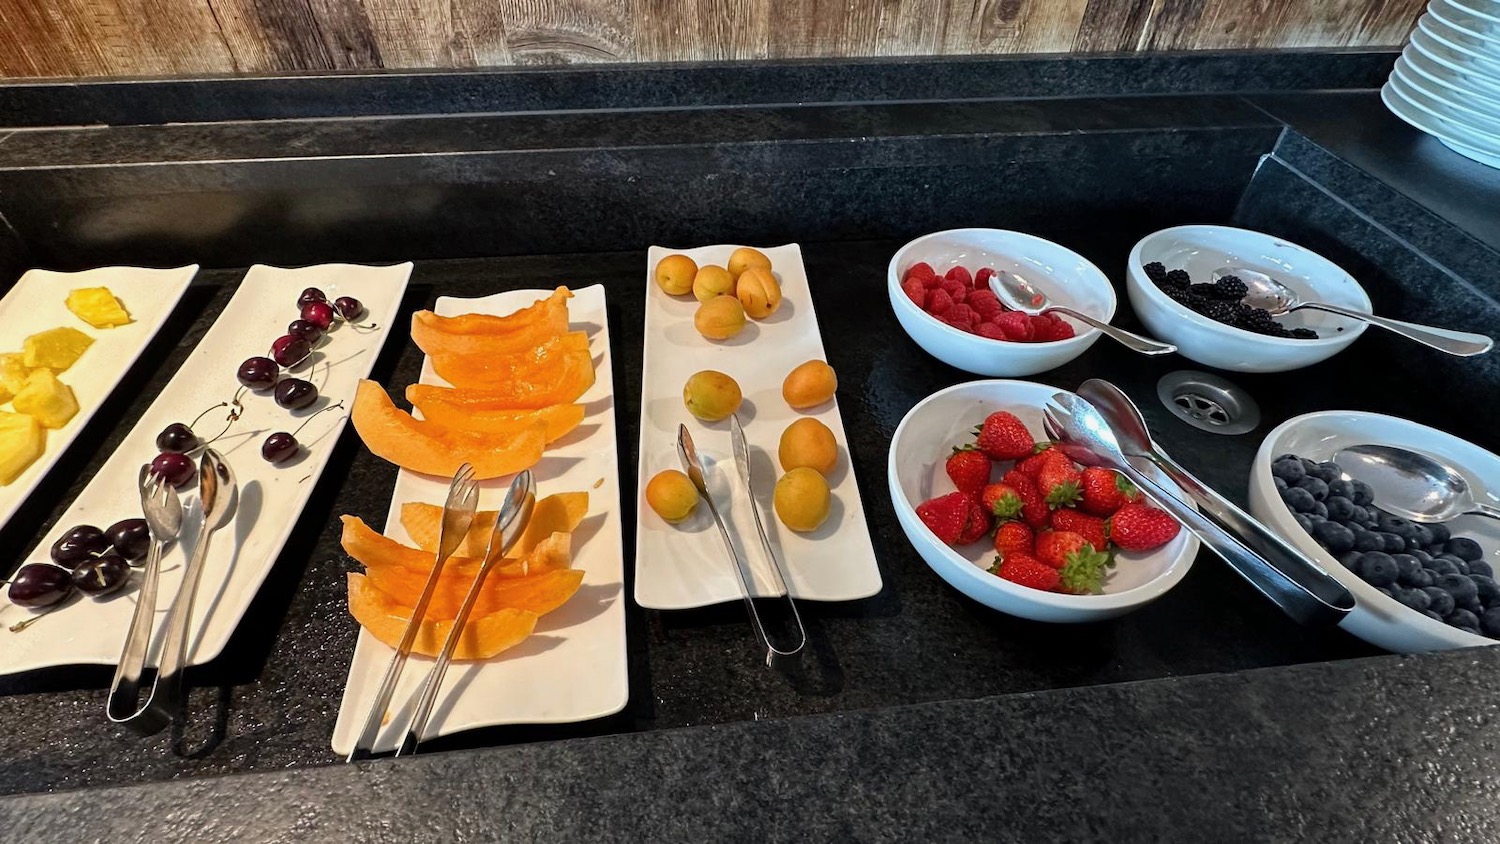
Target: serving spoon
1268	293
1018	294
1411	485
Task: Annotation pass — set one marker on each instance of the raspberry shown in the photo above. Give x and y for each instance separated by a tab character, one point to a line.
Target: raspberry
985	303
1050	328
938	302
990	330
962	313
958	291
960	275
922	272
915	291
982	278
1016	326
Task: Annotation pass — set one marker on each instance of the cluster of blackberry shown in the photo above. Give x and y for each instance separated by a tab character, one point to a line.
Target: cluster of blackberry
1220	302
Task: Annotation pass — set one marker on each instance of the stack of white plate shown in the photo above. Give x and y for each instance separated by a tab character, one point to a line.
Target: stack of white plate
1447	81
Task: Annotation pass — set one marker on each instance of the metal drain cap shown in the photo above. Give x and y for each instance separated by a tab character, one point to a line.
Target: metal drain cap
1208	402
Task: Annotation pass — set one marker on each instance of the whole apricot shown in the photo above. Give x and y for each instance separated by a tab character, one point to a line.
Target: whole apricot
711	395
801	499
808	442
711	281
744	258
672	495
758	291
675	273
720	318
809	385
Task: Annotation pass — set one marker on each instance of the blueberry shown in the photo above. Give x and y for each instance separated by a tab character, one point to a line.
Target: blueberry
1462	547
1367	541
1393	543
1460	587
1386	592
1442	602
1289	469
1442	566
1490	622
1480	567
1472	631
1432	615
1278	483
1327	472
1475	606
1436	549
1340	509
1341	488
1349	560
1422	534
1461	617
1396	525
1363	495
1303	522
1298	499
1422	556
1334	536
1459	566
1361	515
1308	465
1414	598
1316	486
1377	568
1422	580
1439	532
1320	510
1486	587
1406	567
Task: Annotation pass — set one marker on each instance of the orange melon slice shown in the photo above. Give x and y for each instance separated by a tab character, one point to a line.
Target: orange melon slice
559	419
483	637
561	381
536	364
559	513
544	311
433	449
373	549
539	593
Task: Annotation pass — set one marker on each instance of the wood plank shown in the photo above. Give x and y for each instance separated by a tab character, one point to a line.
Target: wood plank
701	30
1013	26
567	31
1193	25
807	28
1112	26
267	36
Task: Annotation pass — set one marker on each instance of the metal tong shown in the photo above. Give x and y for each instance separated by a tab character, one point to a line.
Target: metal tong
788	607
458	515
516	511
163	511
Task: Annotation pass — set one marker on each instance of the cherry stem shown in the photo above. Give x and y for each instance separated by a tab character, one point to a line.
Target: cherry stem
233	417
206	412
314	416
27	622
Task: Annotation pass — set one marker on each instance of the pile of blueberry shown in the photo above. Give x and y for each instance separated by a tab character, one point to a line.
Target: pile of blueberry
1220	302
1442	576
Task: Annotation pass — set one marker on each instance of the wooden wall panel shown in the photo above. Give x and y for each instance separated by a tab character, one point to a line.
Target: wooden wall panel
49	38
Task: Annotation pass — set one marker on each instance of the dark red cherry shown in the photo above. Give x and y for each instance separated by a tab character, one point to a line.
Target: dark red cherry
259	373
102	575
290	351
319	314
40	585
79	544
177	438
310	295
131	538
295	394
306	330
279	447
349	308
175	469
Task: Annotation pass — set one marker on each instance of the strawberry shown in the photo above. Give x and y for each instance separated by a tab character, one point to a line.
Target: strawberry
1089	527
923	273
982	278
1013	538
946	516
968	469
1104	491
1032	465
960	275
1141	527
1002	436
1058	480
915	291
985	303
1080	566
1053	546
990	330
957	290
1016	326
1034	509
1001	501
978	525
938	302
1027	571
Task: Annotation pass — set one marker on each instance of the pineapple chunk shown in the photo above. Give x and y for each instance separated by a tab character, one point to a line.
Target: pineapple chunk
97	307
13	371
47	400
21	442
56	348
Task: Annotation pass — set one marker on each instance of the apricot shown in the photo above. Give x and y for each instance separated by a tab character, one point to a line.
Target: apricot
672	495
809	385
801	499
711	395
758	292
720	318
674	274
808	442
744	257
711	281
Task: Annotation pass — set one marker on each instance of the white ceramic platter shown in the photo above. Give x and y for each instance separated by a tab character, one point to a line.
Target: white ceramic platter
271	497
573	667
36	303
685	565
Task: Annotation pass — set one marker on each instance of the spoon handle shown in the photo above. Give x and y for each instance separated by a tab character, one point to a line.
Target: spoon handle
1483	510
1130	340
1460	343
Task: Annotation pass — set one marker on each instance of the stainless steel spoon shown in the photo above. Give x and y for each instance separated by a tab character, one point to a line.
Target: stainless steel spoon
1270	294
1411	485
1018	294
1087	438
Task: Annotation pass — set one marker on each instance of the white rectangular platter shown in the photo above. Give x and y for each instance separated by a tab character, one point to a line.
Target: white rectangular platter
573	667
271	497
685	565
36	303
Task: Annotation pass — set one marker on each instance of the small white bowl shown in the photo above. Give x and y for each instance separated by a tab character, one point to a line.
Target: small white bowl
1065	276
1202	249
922	441
1377	619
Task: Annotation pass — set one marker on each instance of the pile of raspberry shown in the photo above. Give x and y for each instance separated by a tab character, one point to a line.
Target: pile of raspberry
966	302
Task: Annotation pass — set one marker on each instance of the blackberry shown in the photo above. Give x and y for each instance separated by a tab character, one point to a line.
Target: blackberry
1156	272
1304	334
1177	278
1207	291
1230	287
1256	319
1216	310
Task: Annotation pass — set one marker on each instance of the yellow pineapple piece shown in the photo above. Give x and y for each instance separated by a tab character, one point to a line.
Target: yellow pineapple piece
13	372
56	348
21	442
47	400
97	307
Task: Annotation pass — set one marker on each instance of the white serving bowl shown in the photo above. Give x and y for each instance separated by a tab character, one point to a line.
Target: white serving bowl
918	450
1202	249
1065	276
1377	619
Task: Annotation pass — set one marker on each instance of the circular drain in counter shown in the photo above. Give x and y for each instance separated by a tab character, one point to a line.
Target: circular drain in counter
1208	402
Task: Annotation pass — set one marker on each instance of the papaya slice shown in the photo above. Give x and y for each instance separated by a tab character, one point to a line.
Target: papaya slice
373	549
558	513
537	364
558	419
561	381
545	311
483	637
433	449
540	593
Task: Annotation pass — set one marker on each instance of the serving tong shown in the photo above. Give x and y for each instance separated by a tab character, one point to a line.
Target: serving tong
786	607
